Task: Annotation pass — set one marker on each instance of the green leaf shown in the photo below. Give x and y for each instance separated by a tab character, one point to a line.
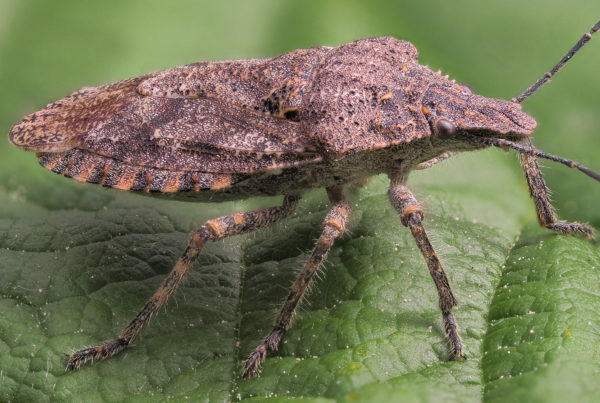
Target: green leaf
370	328
77	262
542	340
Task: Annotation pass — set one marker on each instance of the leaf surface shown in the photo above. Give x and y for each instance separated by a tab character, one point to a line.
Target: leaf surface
77	262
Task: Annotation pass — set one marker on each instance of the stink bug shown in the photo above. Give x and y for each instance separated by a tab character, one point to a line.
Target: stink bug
312	118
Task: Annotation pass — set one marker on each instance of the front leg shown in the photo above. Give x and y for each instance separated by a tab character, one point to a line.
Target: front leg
411	216
539	192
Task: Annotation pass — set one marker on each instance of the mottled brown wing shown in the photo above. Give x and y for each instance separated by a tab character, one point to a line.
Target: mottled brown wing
198	134
270	86
219	119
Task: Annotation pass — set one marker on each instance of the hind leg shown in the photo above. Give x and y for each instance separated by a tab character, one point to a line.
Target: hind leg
215	229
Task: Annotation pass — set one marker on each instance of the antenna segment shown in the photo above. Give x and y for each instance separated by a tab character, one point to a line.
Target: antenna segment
582	41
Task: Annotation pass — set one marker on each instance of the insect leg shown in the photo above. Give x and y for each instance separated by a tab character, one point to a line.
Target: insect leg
545	212
429	163
411	216
334	226
215	229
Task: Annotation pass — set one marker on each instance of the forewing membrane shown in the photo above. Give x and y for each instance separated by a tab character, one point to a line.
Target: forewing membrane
226	117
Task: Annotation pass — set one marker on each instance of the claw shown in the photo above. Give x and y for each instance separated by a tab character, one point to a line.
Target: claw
457	356
252	364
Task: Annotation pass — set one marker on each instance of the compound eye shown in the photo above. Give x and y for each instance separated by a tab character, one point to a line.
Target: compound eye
444	127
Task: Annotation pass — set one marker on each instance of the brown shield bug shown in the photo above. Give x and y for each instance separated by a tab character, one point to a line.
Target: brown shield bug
312	118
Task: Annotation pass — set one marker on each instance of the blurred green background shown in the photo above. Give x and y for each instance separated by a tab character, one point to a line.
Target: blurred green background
49	49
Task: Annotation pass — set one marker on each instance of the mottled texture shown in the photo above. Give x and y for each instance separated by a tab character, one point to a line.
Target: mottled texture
320	117
66	123
178	129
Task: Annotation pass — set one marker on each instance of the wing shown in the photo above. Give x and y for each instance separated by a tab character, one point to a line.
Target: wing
215	120
198	134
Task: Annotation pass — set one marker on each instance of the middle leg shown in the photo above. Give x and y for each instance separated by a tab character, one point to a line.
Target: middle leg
411	216
333	227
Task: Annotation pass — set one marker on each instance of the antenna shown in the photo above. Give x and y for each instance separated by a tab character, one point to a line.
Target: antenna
528	149
582	41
